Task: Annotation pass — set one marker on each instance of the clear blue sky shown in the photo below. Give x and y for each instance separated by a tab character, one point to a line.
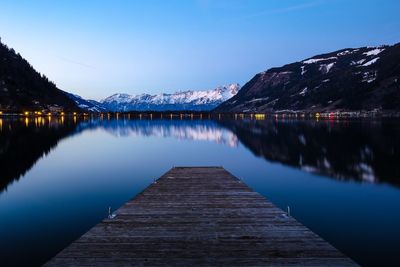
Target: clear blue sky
97	48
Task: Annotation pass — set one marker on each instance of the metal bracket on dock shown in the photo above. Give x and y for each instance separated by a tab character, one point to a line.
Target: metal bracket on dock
111	215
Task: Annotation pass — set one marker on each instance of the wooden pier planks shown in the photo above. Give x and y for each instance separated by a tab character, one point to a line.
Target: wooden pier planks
199	216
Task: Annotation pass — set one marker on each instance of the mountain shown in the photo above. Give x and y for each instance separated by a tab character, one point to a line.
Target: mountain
89	105
23	88
365	78
186	100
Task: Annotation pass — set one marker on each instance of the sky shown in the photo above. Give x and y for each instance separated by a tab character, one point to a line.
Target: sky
98	48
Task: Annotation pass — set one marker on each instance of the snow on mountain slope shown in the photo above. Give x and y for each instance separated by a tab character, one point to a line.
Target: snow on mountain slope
365	78
185	100
89	105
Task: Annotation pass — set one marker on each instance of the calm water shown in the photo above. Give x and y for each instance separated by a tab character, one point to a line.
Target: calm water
58	177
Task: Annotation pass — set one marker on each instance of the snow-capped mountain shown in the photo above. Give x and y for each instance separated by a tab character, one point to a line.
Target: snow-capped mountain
365	78
185	100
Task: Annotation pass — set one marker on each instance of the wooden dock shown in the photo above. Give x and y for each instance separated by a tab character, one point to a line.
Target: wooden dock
199	216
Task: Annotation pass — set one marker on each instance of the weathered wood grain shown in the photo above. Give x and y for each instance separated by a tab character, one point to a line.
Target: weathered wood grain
201	216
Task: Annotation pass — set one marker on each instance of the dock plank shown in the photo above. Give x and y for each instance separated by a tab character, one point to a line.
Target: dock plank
202	216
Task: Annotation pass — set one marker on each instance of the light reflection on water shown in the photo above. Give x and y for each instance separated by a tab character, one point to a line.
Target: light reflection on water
59	175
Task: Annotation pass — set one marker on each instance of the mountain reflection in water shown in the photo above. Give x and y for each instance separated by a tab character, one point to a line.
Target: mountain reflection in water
193	130
346	150
24	141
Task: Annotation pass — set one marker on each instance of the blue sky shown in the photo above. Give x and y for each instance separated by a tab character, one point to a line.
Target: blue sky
97	48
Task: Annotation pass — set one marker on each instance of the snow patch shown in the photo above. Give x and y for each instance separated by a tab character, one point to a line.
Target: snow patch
258	99
344	53
358	62
370	62
325	68
315	60
369	76
347	52
303	70
374	52
304	91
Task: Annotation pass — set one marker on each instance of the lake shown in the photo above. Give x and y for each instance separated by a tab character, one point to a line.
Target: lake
340	178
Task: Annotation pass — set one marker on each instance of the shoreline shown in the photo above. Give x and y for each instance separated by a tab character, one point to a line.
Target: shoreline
212	114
